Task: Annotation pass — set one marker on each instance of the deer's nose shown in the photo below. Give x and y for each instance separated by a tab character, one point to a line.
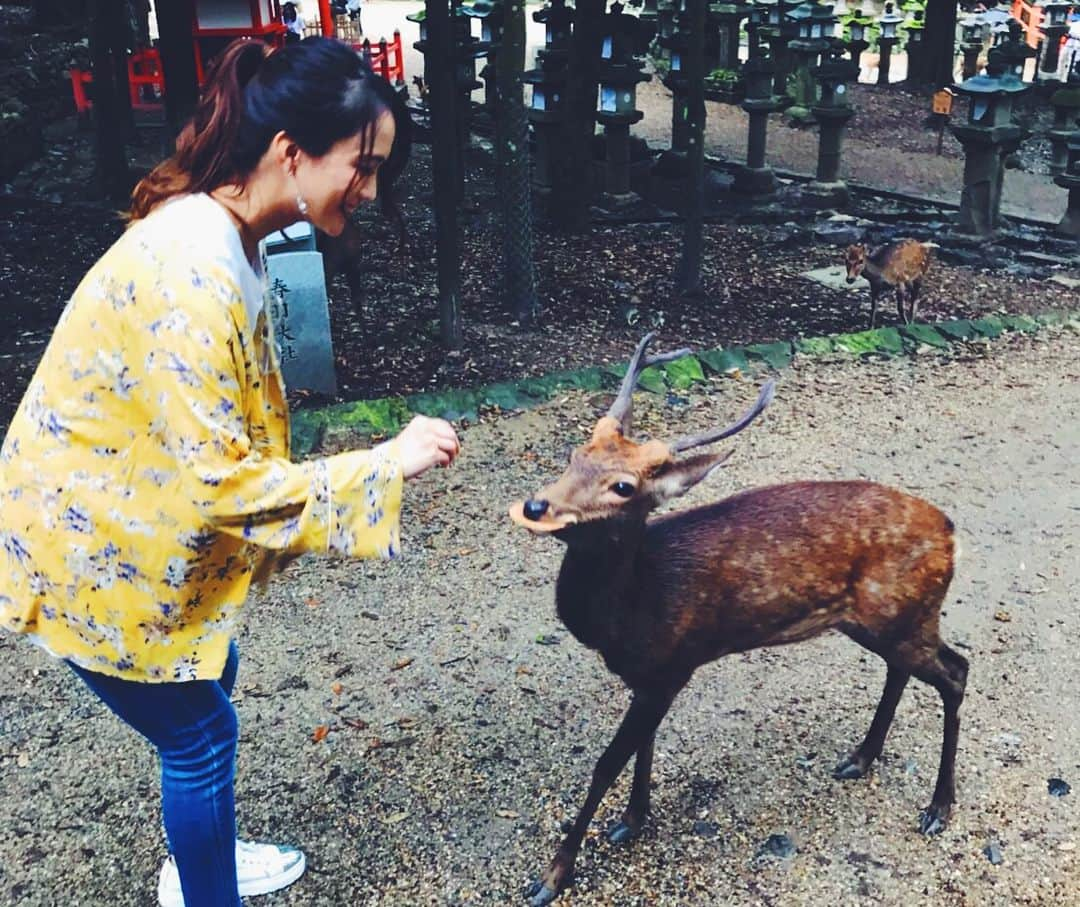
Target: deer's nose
850	279
535	509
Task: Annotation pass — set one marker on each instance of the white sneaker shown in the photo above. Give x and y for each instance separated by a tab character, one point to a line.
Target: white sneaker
260	869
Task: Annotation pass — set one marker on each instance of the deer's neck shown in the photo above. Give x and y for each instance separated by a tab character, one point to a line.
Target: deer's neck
873	272
599	594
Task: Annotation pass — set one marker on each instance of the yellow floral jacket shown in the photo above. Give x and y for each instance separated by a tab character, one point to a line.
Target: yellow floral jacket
146	477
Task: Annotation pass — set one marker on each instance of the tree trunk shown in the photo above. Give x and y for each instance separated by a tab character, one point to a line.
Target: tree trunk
572	187
444	154
688	274
107	21
512	162
177	62
939	39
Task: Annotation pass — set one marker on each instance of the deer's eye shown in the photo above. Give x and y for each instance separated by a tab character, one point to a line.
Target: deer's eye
623	489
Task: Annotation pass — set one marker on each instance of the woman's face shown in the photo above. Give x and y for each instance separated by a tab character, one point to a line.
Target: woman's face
334	184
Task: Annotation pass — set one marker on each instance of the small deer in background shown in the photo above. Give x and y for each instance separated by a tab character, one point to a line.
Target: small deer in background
899	266
660	597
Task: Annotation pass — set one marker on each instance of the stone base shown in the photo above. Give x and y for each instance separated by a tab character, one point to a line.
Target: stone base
1070	224
826	195
616	204
755	181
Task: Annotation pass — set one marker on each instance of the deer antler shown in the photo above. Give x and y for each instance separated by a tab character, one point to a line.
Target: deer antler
622	409
763	400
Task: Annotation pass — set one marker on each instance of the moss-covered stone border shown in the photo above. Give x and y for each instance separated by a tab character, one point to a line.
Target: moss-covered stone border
386	416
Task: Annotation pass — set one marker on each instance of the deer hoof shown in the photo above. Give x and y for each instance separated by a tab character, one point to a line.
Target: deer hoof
621	833
538	894
850	769
933	819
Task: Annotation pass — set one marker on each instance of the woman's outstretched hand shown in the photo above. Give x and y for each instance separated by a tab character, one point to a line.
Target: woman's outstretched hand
424	443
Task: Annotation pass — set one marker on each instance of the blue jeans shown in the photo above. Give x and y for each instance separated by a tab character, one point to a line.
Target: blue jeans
194	728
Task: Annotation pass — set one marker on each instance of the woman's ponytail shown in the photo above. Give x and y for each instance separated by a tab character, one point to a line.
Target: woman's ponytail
204	156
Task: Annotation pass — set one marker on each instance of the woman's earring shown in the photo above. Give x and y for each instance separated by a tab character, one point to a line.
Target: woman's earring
301	204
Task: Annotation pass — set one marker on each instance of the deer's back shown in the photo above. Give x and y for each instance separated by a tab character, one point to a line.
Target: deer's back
902	261
786	562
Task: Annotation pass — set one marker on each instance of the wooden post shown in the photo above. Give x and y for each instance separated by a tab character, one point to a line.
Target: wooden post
688	274
444	150
326	18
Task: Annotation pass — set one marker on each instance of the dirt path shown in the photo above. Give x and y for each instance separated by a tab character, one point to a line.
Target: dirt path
458	743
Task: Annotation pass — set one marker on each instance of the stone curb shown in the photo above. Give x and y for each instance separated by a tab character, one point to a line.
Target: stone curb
386	415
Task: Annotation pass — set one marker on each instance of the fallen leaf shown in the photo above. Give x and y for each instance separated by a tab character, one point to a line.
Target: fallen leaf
507	814
1003	616
402	663
320	733
336	688
312	602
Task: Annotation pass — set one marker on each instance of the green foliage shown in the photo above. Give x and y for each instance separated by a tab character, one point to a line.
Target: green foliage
881	340
725	362
684	372
726	77
777	355
814	346
923	333
991	326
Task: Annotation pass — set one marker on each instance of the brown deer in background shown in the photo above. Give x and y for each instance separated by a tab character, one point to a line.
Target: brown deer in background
658	598
899	266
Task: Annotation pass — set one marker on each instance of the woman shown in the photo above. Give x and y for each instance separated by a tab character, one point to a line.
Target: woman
145	479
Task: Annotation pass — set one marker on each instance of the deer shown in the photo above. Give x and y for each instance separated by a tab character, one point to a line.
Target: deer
659	597
899	265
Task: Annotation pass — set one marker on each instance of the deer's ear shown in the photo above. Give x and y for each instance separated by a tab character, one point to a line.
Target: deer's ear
677	477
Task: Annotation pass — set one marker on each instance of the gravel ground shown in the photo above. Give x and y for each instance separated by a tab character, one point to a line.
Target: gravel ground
457	743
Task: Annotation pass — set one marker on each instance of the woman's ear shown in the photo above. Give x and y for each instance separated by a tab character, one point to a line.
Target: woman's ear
284	151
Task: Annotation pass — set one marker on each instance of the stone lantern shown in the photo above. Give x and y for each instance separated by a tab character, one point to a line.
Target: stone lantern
1066	104
665	19
1055	26
546	108
832	112
756	178
558	21
1011	53
815	23
858	28
778	29
724	21
490	16
988	137
889	21
675	43
1070	179
915	27
755	19
546	111
973	36
619	73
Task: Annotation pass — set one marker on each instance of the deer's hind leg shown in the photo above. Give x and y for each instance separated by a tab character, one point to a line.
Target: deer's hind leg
946	671
857	764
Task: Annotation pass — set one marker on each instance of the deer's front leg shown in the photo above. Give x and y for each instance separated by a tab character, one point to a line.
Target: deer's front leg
638	809
637	728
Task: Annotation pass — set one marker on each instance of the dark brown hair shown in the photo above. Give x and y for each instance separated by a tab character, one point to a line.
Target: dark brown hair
318	91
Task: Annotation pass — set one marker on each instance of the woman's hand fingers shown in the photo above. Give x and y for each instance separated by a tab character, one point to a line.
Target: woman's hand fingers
427	442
